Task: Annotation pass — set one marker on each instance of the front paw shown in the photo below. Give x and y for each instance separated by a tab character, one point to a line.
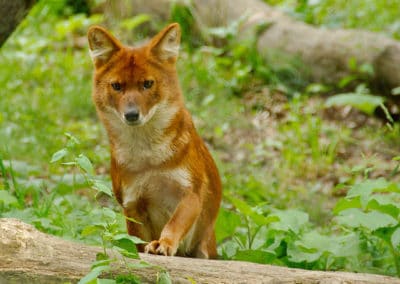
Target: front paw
161	247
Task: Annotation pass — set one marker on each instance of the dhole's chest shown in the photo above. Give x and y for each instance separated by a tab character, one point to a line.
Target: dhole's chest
154	194
155	184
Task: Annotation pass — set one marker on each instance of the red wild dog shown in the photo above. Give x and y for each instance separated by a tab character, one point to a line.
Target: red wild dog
162	173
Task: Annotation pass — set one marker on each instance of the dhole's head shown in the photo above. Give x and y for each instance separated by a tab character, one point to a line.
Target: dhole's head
133	83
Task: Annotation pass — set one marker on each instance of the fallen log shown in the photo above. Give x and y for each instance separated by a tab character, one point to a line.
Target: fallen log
30	256
326	53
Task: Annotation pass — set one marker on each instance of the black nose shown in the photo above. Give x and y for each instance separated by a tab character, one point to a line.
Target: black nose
132	115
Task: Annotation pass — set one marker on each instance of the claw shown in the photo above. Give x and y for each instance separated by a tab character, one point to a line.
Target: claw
160	247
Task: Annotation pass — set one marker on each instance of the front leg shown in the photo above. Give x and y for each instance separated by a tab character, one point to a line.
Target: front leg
136	229
174	231
139	226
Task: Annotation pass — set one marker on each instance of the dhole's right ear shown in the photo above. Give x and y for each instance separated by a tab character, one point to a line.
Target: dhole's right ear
102	45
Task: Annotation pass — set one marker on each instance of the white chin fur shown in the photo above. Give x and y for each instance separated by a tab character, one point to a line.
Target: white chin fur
149	115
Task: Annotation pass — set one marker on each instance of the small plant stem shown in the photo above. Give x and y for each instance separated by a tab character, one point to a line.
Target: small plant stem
4	174
249	238
396	257
254	235
104	245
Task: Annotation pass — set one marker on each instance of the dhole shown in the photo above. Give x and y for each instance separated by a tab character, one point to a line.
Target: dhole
162	173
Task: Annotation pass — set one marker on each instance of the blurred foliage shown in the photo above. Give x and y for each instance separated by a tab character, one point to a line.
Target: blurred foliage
298	196
382	16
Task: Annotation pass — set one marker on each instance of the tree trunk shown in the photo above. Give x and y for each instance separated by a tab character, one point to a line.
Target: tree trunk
325	52
30	256
12	12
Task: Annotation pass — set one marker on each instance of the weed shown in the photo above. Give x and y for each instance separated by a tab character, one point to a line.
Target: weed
367	227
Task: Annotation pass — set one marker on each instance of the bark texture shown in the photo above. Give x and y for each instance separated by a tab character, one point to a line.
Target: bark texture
324	52
30	256
12	12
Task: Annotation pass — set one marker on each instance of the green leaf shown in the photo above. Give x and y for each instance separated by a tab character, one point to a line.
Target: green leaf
374	220
106	281
139	265
363	102
72	140
84	163
101	186
91	230
46	223
392	187
257	256
124	252
100	257
383	207
7	198
385	233
226	225
352	64
290	220
108	213
229	248
316	88
163	277
59	155
69	163
127	245
127	279
396	91
346	203
298	254
93	274
388	198
395	239
134	239
132	220
366	188
102	261
346	80
367	69
251	212
312	245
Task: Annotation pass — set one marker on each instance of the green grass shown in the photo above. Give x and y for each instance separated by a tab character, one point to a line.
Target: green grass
287	162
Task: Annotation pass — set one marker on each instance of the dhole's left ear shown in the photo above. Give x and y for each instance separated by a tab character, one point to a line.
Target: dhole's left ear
102	45
165	45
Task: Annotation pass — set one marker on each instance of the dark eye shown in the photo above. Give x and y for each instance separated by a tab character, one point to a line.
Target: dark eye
116	86
147	84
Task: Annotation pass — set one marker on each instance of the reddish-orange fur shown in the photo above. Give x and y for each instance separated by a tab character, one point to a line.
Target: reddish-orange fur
162	173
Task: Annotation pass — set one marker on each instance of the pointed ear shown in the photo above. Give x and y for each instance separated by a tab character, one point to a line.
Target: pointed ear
165	45
102	45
